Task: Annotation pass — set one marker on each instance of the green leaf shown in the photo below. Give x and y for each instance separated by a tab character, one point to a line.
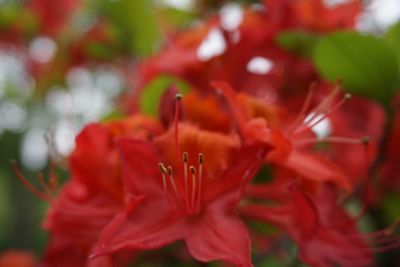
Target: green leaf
365	64
135	21
100	51
299	42
392	38
150	97
177	17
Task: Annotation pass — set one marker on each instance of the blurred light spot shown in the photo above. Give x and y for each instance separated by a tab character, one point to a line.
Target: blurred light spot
83	21
386	12
235	37
179	4
64	137
42	49
259	65
60	101
2	89
34	149
90	103
13	76
379	15
109	81
323	128
12	116
258	7
212	45
79	77
333	3
231	16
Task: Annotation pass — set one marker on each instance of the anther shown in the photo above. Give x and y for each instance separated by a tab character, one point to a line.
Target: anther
178	96
365	140
169	170
185	157
162	168
163	171
192	169
171	178
347	96
201	158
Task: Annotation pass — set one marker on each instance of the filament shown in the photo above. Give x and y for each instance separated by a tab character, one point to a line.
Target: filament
200	161
193	171
28	185
332	140
178	98
320	115
304	108
171	177
185	175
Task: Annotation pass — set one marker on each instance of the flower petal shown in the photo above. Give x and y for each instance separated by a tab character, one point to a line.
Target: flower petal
219	234
317	168
152	224
140	172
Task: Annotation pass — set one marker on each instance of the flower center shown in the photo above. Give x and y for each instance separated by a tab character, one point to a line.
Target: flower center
184	191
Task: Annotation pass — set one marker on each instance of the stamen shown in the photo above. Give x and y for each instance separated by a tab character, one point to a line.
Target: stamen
332	140
43	184
171	178
229	94
187	193
387	247
185	176
201	161
304	108
318	117
163	171
28	185
193	171
178	98
53	180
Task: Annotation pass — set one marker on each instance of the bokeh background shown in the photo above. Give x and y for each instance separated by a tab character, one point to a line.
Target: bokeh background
52	84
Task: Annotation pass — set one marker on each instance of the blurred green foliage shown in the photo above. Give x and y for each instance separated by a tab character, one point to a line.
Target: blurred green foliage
365	64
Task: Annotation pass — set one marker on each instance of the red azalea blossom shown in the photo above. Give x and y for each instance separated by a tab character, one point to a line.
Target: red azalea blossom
53	16
287	143
257	136
185	200
95	190
326	235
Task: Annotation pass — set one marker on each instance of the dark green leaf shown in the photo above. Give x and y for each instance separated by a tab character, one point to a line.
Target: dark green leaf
150	97
298	42
135	21
177	17
366	65
392	37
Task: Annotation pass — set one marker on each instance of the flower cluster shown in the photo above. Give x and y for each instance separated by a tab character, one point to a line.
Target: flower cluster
257	154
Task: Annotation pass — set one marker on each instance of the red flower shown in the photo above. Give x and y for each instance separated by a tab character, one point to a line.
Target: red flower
192	199
326	235
286	141
313	15
95	192
53	16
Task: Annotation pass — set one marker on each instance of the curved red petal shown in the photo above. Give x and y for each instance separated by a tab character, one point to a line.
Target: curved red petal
317	168
219	234
140	171
151	225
